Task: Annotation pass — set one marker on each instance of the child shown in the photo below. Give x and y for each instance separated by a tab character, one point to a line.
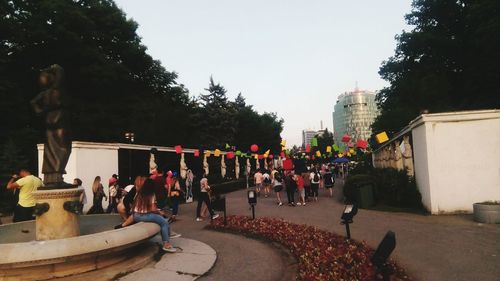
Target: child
300	189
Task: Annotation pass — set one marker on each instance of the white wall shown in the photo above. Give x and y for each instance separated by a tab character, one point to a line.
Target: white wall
457	159
86	162
420	161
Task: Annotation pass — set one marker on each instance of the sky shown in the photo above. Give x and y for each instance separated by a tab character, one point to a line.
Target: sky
289	57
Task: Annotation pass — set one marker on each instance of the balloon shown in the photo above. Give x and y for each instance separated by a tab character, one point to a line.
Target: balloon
230	155
254	148
217	153
178	149
238	153
196	153
346	138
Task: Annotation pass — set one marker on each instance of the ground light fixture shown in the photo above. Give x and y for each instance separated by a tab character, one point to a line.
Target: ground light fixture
252	200
384	250
350	210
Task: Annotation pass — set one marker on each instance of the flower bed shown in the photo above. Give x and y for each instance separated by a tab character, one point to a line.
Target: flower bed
322	255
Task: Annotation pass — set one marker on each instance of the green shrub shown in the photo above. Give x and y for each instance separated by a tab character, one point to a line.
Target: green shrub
354	182
392	187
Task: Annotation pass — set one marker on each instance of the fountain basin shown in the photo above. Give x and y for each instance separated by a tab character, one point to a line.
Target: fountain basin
99	246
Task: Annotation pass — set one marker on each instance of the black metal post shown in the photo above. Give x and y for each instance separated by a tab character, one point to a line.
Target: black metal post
253	211
347	230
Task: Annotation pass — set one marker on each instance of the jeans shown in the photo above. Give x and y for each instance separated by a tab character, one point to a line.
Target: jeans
175	205
113	206
290	192
308	191
315	188
204	198
23	213
162	222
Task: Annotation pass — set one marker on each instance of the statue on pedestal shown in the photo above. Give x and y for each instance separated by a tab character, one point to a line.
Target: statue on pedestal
408	156
398	157
51	104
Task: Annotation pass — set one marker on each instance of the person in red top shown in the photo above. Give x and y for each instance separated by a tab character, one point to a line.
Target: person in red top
300	189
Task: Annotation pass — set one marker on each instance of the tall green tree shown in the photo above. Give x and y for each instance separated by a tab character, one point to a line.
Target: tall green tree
448	62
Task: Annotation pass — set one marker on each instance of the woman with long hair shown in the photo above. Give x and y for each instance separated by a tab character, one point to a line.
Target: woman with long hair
175	195
146	210
98	191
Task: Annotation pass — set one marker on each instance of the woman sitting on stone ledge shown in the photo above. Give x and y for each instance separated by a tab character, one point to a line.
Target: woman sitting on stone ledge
146	210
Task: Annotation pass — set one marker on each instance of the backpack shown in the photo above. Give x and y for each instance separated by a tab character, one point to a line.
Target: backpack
267	180
316	177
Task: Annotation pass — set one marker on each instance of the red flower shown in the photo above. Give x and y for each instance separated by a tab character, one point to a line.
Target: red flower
321	255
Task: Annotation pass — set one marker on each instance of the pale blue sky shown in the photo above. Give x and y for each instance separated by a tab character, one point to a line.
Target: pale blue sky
289	57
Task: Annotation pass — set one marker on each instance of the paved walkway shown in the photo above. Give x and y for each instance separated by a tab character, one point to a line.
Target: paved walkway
194	259
429	247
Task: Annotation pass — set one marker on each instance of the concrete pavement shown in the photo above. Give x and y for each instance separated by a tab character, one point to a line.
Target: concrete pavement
429	247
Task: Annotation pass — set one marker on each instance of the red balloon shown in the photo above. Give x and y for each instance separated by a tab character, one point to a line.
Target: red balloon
271	156
254	148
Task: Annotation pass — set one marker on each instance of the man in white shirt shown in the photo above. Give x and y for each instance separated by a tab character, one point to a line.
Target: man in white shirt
315	178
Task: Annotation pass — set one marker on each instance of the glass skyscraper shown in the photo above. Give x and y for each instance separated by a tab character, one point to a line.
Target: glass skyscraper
354	114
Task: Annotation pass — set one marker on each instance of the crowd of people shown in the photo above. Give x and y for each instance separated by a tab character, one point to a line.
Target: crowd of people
305	184
156	197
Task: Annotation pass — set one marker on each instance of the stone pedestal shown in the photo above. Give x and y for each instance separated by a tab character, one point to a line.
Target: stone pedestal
61	219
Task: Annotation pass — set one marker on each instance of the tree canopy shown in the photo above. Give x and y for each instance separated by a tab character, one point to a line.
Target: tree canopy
113	84
448	62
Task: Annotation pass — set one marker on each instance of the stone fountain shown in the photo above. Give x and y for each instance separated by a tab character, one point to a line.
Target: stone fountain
64	244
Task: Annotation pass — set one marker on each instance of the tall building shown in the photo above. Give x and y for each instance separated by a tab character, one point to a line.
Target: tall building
354	114
307	135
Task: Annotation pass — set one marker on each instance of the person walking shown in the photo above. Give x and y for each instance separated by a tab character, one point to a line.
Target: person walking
204	198
329	180
300	190
113	194
146	210
258	181
27	185
98	191
175	195
83	196
315	178
307	185
266	183
278	186
290	187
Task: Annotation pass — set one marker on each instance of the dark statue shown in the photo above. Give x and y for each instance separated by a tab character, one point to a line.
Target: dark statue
51	104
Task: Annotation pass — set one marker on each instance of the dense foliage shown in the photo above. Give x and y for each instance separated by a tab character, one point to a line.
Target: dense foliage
113	84
449	61
322	255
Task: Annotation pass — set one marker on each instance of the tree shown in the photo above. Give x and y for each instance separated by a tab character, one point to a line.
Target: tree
449	61
325	139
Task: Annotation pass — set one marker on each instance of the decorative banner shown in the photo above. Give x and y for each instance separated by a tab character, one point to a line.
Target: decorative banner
282	154
230	155
314	142
288	164
318	153
283	142
308	148
208	153
328	149
217	153
254	148
178	149
228	146
362	144
336	147
381	138
196	153
260	156
238	153
346	138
